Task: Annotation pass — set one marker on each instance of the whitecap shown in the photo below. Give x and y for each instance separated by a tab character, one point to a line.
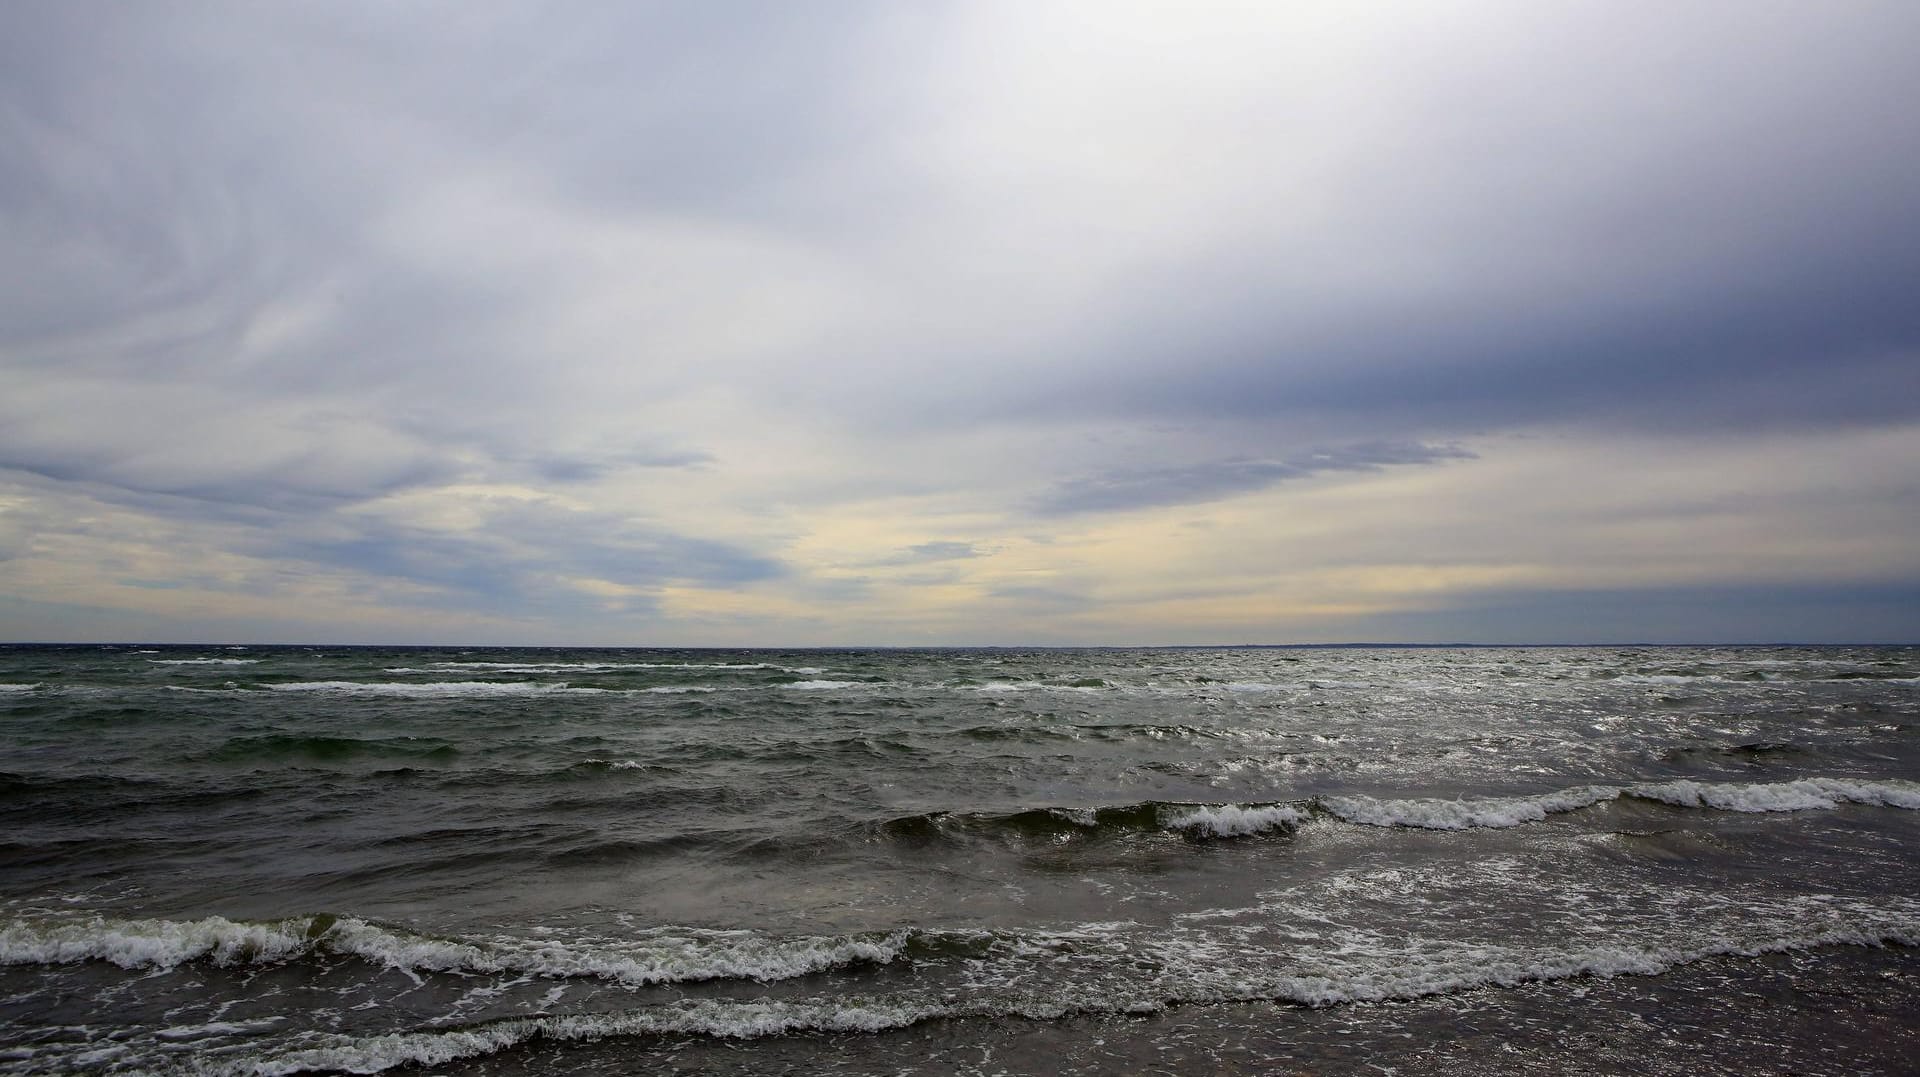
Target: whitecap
1801	795
1370	969
1234	821
722	1019
608	667
1439	813
156	944
1436	813
661	955
419	689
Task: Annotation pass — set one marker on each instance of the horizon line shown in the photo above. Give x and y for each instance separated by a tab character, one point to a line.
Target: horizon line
1345	645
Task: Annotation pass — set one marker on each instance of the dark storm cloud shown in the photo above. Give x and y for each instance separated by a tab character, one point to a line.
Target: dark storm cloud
1124	490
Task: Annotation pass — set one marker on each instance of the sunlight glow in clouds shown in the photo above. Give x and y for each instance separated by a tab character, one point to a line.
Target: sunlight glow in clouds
967	323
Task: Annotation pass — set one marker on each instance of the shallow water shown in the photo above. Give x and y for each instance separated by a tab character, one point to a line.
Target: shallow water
272	860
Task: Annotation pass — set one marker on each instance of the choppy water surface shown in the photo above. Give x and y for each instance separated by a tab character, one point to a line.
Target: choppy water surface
276	860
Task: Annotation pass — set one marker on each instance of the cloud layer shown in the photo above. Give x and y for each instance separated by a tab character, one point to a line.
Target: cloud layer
957	323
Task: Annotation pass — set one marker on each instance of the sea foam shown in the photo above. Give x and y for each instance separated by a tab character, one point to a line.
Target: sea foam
1419	813
1393	975
1234	821
602	667
1433	813
1801	795
663	955
417	689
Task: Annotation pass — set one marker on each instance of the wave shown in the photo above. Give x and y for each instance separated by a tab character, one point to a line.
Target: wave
1498	812
1234	821
658	956
204	661
297	746
13	783
1435	813
1200	821
1468	968
417	689
1082	685
1420	813
724	1020
602	667
449	689
1758	677
1000	732
1801	795
437	689
19	687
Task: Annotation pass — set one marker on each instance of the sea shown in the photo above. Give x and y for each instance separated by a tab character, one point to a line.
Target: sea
1365	860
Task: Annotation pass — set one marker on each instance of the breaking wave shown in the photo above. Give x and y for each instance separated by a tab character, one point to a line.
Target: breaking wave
1499	812
600	667
434	689
1802	795
1404	977
1200	821
1421	813
660	956
1435	813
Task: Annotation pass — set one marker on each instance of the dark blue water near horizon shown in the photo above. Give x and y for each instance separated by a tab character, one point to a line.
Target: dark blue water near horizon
227	859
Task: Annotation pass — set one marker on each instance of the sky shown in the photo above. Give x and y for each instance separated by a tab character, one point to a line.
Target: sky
977	322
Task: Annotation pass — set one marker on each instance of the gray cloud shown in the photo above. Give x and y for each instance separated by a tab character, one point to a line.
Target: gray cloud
1623	243
580	467
522	557
1211	481
938	551
265	267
